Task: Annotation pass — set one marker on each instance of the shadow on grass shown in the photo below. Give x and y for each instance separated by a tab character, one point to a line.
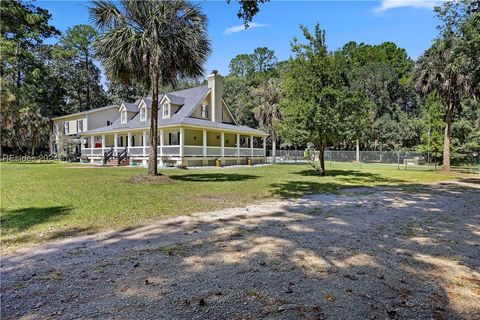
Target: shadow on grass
214	177
292	189
25	218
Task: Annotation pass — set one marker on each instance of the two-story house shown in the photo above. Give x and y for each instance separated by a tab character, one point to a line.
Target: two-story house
195	128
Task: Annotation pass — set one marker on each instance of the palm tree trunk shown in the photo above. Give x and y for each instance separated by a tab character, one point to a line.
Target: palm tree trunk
274	147
88	81
152	158
447	137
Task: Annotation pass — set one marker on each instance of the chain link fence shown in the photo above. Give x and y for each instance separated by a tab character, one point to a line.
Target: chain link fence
398	160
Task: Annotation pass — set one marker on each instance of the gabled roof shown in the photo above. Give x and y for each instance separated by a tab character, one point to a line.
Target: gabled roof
190	99
85	112
132	107
174	99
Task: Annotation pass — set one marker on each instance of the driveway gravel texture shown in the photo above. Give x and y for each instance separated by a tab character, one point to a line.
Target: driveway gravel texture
365	253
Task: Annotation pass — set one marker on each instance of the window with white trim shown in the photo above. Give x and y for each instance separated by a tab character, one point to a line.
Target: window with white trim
143	114
123	116
66	127
205	111
166	110
80	125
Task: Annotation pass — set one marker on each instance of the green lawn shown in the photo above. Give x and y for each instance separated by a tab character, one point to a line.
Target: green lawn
40	202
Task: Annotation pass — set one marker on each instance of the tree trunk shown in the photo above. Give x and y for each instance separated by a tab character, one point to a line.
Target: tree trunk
87	67
34	134
321	159
446	141
357	155
274	147
152	158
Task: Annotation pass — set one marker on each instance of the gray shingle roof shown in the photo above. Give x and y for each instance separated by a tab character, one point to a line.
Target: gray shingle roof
132	107
86	111
190	99
175	99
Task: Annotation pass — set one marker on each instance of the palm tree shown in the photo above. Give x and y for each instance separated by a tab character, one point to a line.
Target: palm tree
440	70
267	111
151	42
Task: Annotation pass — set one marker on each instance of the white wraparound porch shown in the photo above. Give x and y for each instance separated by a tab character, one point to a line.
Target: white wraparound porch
183	145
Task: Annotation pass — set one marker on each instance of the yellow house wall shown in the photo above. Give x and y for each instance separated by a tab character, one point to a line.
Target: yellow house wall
213	139
193	137
230	139
197	113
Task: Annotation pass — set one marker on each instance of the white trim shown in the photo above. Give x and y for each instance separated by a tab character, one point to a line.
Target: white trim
251	145
141	104
145	115
169	108
204	111
161	142
204	133
176	125
182	141
229	111
123	116
163	98
115	143
222	143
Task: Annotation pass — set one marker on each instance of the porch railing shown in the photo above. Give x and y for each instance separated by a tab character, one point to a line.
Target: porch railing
174	150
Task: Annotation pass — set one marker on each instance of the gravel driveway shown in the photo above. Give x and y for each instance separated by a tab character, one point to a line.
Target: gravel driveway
368	253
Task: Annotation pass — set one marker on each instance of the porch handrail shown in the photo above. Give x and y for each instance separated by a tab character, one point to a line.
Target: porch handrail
107	155
122	155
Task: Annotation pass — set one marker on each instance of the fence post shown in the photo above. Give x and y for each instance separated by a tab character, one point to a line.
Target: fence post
398	160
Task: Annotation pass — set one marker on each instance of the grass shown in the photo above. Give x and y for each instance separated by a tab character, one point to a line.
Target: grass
41	202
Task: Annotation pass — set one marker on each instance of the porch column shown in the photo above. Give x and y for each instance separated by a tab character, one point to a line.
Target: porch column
144	143
103	144
129	142
222	143
204	143
251	146
182	135
92	144
238	144
115	144
161	142
264	146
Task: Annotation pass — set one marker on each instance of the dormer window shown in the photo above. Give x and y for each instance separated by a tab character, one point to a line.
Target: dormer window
166	110
143	114
205	111
123	116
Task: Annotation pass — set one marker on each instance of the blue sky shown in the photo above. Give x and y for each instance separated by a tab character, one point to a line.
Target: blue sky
411	24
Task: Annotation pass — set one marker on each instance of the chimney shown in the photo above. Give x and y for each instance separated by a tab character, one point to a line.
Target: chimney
215	84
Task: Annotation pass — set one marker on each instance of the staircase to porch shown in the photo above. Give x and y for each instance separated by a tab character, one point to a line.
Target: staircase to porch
113	162
121	159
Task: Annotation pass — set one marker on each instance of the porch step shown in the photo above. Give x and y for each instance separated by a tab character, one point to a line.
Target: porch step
114	162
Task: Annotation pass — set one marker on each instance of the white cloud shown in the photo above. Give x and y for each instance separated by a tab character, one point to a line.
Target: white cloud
239	28
392	4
